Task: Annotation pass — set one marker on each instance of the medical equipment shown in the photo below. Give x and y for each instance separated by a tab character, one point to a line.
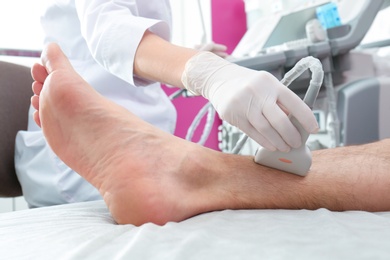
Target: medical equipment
339	111
297	160
207	110
276	32
328	15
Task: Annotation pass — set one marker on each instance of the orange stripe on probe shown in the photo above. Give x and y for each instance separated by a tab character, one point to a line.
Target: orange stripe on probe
285	160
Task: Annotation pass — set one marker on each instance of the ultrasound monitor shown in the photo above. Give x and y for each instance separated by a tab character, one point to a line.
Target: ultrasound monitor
291	26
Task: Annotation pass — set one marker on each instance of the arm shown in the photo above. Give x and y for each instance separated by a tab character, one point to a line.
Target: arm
113	31
121	41
251	100
161	61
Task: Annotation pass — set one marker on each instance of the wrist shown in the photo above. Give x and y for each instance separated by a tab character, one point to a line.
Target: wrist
199	69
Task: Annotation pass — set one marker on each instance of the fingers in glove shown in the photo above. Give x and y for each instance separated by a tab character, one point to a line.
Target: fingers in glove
299	110
216	47
283	108
262	132
279	120
222	54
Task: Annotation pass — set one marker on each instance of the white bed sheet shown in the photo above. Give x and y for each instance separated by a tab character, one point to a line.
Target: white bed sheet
87	231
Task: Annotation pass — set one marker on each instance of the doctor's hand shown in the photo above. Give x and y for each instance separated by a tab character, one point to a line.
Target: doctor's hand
254	101
216	48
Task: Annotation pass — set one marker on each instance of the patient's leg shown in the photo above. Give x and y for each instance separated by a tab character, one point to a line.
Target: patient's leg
147	175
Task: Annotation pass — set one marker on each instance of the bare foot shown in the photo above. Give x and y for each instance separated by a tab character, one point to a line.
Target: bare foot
143	174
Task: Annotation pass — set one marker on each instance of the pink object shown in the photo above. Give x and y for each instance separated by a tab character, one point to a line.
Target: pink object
228	27
228	22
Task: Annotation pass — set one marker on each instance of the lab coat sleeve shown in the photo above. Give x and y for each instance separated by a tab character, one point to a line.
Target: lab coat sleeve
113	31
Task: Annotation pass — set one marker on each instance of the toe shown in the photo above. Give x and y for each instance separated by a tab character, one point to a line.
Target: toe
37	119
38	72
35	102
37	87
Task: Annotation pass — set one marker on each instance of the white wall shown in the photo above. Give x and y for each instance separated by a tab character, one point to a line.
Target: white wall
187	23
20	27
19	24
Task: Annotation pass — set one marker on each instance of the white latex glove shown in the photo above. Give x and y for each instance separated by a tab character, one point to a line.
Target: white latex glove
254	101
216	48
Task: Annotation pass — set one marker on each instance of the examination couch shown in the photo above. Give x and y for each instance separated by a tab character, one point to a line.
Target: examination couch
15	94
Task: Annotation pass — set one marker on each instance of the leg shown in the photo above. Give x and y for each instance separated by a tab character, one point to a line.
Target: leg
146	175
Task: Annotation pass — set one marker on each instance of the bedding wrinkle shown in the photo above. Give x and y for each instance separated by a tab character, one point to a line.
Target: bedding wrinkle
86	230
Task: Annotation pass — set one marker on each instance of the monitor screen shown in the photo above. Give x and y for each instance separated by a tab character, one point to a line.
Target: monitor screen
291	26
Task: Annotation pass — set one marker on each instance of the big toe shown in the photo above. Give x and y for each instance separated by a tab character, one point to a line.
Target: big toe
38	72
53	58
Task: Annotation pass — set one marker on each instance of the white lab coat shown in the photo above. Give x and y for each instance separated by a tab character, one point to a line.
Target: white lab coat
100	38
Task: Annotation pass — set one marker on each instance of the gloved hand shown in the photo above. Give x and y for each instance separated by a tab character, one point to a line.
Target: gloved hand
254	101
217	49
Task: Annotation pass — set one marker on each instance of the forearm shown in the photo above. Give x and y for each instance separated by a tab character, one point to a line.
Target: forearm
159	60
